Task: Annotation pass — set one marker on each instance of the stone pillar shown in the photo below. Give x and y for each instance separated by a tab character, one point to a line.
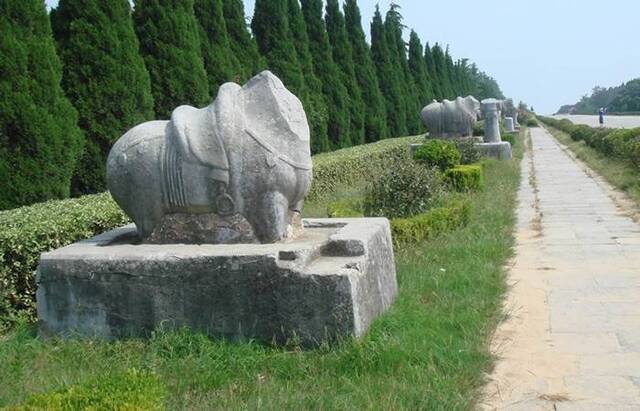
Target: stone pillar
508	125
491	115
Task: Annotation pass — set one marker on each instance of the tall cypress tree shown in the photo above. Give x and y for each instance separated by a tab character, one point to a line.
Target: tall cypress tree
418	69
220	63
170	45
450	73
397	49
441	72
270	27
388	77
375	123
340	133
243	46
343	56
313	99
105	78
39	139
433	75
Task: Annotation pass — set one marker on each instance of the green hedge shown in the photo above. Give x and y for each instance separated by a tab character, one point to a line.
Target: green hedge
349	166
438	153
618	143
465	177
416	228
27	232
433	222
511	138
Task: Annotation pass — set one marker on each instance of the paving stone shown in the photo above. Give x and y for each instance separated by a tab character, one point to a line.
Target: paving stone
574	341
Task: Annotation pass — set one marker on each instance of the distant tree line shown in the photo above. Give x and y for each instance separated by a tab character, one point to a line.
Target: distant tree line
74	81
624	98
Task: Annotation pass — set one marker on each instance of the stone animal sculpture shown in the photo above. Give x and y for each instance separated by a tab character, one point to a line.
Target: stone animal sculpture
509	109
451	119
235	171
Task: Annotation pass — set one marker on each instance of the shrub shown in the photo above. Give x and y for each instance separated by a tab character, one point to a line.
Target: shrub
468	152
532	122
465	177
349	207
566	125
130	390
28	231
403	190
438	153
620	141
509	138
581	133
351	165
433	222
478	128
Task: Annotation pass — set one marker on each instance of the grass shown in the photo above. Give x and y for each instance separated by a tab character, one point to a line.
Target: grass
619	173
428	352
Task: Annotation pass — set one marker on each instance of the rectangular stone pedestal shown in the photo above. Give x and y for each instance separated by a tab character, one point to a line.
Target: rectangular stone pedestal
331	282
500	150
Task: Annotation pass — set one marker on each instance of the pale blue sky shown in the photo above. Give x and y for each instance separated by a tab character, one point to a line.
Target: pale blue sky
545	52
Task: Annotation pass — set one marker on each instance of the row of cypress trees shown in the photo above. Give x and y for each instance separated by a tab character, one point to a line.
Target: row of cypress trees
71	84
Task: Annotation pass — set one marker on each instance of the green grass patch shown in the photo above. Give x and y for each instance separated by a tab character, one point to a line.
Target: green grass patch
618	172
429	351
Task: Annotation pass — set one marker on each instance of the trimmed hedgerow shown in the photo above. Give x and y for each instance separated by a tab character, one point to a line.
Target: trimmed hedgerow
431	223
465	177
438	153
618	143
352	165
28	231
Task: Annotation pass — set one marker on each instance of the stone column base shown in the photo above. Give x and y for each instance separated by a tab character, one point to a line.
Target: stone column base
500	150
330	283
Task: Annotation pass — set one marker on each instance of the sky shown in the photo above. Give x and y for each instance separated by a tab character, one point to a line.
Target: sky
544	52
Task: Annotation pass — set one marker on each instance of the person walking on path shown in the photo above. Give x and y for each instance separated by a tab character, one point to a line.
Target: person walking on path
601	116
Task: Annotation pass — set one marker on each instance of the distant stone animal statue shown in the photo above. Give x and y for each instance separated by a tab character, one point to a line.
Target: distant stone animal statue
508	109
451	119
235	171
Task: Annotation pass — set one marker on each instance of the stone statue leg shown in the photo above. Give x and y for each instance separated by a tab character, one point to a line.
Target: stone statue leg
272	217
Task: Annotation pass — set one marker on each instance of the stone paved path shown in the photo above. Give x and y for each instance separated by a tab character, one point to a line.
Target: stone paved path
609	121
572	338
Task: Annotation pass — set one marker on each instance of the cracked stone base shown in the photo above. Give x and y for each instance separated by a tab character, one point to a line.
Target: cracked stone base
330	283
500	150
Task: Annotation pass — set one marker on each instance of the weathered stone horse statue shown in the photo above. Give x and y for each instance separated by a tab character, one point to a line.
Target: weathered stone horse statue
451	119
235	171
